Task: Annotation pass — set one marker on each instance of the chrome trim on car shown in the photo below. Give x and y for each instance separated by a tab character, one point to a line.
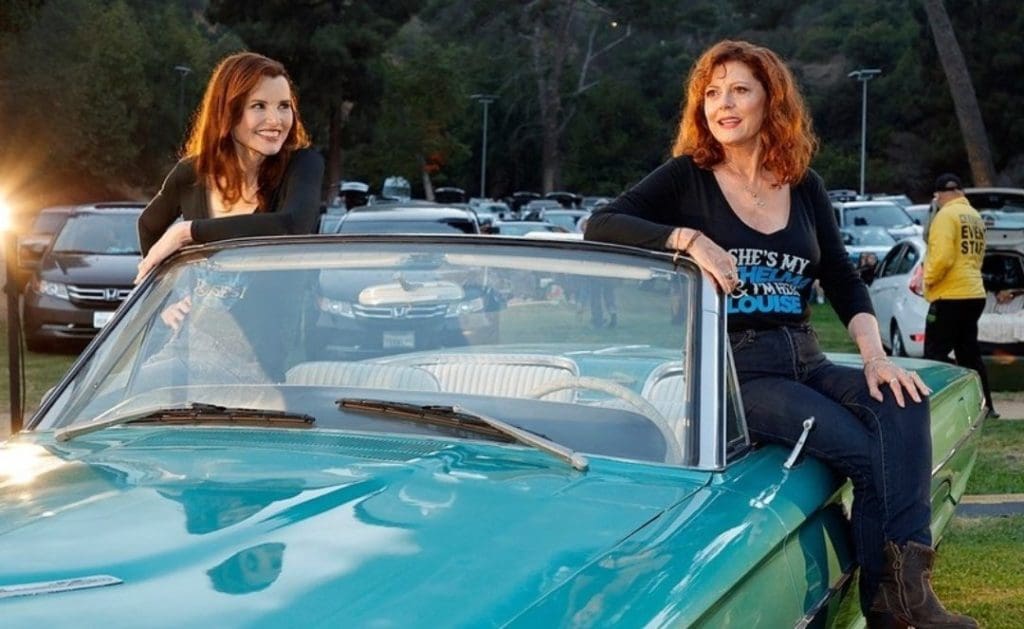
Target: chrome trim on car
811	615
709	362
54	587
113	294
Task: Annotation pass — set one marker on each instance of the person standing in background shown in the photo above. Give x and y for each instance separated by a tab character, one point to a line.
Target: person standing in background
952	281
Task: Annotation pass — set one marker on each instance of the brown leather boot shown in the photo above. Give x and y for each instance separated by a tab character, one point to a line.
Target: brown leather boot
906	590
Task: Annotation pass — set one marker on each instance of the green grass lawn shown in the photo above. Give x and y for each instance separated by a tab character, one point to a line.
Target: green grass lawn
42	371
979	570
1000	466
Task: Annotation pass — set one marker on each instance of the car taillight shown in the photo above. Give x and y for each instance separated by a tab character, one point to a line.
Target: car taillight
916	284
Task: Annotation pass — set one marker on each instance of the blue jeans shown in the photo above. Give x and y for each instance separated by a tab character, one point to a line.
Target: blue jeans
885	450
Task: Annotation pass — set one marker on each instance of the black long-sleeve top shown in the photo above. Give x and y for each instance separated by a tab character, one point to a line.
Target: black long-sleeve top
293	207
776	270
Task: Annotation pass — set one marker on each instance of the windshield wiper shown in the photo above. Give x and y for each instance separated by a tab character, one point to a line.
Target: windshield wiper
194	413
463	418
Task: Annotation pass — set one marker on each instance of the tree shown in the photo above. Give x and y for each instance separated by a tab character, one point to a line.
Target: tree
979	156
552	30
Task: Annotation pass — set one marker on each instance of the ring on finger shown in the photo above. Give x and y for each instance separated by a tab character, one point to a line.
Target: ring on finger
894	381
729	275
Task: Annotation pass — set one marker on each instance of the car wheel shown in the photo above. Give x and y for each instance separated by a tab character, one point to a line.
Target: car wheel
896	341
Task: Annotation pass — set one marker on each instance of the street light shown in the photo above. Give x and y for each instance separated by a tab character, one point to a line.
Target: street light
183	71
10	243
485	99
864	75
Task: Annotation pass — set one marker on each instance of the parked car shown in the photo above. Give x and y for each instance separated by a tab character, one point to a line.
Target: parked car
920	212
898	298
521	228
82	277
862	242
450	194
536	210
593	202
421	217
562	475
1000	207
569	219
489	210
568	200
901	308
885	214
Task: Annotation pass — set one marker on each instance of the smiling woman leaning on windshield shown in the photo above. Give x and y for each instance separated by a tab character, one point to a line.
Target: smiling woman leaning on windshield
247	168
739	198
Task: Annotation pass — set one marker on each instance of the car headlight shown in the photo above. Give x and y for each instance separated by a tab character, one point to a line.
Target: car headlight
52	289
466	307
331	306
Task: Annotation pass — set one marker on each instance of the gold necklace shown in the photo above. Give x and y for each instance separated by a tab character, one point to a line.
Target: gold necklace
755	197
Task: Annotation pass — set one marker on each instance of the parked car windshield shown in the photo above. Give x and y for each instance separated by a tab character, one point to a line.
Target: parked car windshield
109	233
586	346
878	214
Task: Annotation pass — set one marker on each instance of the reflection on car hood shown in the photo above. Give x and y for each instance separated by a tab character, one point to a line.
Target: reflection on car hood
370	529
86	270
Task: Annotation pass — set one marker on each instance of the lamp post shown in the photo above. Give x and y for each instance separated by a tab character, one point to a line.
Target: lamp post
10	243
864	75
183	71
485	99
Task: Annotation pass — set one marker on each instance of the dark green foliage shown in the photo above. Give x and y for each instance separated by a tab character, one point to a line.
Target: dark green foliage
90	97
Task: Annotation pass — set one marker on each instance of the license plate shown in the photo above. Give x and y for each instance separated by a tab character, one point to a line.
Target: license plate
399	340
101	318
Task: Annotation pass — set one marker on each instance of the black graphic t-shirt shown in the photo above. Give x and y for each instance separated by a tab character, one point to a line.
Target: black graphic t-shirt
776	270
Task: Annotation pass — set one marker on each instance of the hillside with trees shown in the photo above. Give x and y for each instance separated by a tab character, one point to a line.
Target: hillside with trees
96	94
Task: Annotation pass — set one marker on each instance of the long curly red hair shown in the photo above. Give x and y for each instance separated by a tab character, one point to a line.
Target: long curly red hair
210	142
786	134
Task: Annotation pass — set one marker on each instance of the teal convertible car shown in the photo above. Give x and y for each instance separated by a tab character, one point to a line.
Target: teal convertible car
425	431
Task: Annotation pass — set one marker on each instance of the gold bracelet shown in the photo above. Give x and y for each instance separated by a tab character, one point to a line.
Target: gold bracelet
689	243
875	360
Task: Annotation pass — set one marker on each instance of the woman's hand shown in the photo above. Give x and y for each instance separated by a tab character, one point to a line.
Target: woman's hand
174	314
880	372
712	259
177	236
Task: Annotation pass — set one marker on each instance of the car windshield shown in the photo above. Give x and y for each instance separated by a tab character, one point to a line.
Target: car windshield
879	214
1004	202
113	233
587	347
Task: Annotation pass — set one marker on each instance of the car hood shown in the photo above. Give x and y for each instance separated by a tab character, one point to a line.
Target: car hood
90	269
329	528
904	231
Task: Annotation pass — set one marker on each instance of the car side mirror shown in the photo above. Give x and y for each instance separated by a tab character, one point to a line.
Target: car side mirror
29	254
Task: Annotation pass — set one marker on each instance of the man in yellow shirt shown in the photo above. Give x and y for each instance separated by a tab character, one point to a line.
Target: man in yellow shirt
952	281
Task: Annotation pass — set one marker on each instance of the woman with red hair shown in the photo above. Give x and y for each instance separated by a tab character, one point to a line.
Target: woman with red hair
739	198
247	169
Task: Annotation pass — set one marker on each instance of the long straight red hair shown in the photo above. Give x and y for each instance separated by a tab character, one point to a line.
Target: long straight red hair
786	133
210	142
